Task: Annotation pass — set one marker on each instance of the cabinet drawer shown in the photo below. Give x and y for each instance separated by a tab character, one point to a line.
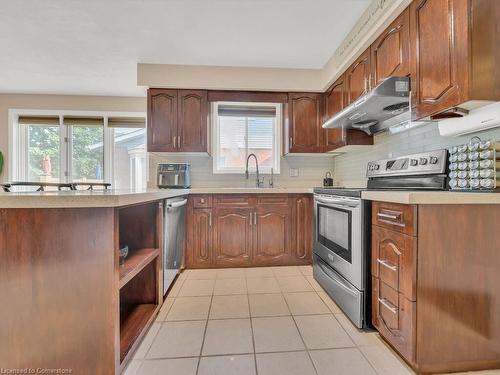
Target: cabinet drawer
273	199
394	317
233	200
398	217
394	260
202	201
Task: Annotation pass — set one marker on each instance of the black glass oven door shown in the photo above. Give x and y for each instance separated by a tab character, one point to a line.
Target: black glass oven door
334	230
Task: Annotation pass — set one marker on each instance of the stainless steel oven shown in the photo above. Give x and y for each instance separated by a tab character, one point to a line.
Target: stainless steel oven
340	250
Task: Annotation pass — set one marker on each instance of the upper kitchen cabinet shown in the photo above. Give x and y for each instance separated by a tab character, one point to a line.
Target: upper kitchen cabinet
455	51
390	53
193	121
177	120
162	120
335	99
305	133
357	77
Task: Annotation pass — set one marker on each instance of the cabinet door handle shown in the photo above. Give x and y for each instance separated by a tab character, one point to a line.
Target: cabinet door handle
175	141
386	264
384	302
179	141
386	216
255	218
209	219
251	218
202	200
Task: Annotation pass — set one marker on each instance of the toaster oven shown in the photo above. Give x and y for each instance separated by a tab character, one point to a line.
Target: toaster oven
174	176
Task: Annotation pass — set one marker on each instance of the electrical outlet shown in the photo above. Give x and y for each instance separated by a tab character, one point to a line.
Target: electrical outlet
294	172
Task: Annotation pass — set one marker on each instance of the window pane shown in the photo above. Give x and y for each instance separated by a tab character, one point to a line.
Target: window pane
88	155
232	152
130	170
260	140
43	153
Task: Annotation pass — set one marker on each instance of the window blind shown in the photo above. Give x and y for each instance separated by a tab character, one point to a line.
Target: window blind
83	121
246	111
39	120
126	122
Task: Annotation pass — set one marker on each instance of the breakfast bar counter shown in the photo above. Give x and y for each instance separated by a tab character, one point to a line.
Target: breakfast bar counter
85	198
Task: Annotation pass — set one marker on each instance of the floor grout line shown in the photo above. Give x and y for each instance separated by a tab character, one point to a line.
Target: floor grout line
300	335
204	334
250	317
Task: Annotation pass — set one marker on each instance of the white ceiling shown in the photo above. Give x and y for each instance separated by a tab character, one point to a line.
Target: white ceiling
92	46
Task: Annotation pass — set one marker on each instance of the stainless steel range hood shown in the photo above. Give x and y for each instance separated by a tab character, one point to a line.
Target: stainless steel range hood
386	105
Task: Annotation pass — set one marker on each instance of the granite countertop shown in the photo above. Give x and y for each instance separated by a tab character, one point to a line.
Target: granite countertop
251	190
85	198
432	197
118	198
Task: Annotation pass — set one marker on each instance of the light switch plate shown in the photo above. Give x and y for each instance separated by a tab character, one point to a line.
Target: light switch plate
294	172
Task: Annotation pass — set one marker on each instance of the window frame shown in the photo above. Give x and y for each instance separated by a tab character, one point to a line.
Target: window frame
18	142
277	125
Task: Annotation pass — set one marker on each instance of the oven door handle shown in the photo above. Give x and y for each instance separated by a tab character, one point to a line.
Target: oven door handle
337	280
329	201
337	203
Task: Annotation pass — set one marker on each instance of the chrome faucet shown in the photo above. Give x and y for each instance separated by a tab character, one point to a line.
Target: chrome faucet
258	181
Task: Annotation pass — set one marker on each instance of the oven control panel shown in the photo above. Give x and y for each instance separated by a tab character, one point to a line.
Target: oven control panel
424	163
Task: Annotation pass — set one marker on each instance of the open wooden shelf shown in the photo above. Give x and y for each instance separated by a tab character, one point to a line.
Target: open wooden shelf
135	263
133	321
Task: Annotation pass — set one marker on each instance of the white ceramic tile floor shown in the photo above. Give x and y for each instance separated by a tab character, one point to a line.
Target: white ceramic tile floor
258	321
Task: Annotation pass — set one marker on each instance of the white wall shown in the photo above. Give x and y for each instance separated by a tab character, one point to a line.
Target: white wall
350	168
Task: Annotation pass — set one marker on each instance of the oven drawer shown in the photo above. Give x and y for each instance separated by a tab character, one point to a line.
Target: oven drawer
394	260
202	201
394	316
345	295
398	217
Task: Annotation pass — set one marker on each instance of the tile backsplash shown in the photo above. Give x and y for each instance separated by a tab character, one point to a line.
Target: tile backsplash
311	170
351	166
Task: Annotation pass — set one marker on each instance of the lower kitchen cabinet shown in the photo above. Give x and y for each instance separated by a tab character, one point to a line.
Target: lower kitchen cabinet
249	230
199	236
272	234
233	237
435	296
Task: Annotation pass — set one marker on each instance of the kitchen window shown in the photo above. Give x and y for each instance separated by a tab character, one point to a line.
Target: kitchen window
79	147
241	129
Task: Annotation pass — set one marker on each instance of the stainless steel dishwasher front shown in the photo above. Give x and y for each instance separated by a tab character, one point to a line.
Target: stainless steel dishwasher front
174	232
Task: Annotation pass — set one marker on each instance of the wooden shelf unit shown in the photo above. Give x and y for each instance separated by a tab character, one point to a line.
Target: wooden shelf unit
135	263
133	323
140	228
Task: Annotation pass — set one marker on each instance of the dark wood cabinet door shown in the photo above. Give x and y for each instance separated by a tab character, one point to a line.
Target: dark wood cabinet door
304	119
233	237
272	234
199	238
162	120
358	77
394	316
439	46
192	121
302	228
394	260
390	53
335	101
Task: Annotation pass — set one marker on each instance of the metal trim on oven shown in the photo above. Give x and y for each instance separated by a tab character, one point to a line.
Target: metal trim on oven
352	271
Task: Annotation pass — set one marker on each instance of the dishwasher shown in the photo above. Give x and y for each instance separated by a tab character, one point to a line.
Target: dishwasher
173	244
